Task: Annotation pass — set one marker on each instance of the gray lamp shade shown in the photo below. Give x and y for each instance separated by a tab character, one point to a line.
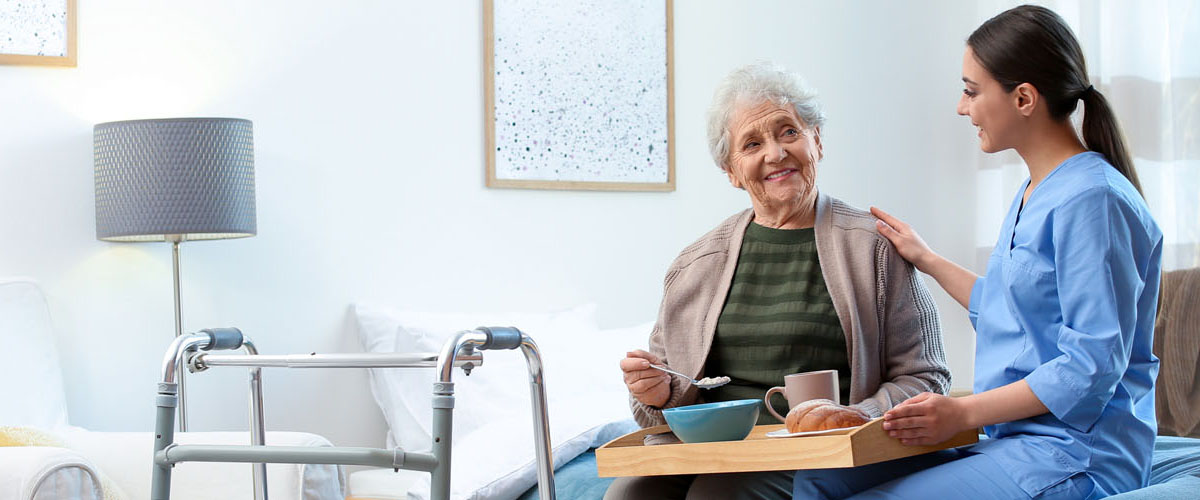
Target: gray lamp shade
192	177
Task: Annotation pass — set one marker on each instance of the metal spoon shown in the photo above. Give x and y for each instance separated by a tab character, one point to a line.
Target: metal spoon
704	383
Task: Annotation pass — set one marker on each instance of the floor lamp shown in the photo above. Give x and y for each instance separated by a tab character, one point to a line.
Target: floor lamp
176	180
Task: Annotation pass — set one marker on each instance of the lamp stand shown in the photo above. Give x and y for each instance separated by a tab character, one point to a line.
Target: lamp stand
175	240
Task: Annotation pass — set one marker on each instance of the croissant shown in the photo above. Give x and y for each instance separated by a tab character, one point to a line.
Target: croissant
823	414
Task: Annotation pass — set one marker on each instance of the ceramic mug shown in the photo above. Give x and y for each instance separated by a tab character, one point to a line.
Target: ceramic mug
801	387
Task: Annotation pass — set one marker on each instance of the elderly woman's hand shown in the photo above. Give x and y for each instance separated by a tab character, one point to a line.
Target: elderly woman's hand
651	387
907	242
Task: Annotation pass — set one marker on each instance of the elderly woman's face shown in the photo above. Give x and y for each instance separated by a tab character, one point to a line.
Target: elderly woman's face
773	154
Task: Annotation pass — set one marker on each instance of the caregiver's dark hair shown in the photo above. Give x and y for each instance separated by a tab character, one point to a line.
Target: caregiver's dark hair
1032	44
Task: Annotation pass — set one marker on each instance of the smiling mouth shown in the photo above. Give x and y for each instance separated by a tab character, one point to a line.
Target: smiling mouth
780	174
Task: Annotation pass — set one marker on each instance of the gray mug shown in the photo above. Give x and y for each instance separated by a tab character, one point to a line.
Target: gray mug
801	387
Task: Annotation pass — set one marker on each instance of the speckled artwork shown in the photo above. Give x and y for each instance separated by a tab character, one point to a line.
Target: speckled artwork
33	27
580	91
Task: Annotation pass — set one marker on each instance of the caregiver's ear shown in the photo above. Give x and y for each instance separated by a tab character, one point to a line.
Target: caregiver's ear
1026	97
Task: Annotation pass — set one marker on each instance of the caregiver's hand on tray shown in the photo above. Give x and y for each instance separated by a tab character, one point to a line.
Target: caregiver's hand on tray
932	418
650	386
926	419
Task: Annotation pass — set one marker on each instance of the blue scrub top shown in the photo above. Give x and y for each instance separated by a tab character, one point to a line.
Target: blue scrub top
1068	305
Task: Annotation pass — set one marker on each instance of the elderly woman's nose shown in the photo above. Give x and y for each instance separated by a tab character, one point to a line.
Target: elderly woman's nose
776	154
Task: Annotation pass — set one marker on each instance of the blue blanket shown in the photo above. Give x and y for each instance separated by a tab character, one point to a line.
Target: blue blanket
1175	475
576	480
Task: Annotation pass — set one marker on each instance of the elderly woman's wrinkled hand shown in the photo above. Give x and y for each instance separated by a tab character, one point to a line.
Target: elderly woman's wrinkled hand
907	242
651	387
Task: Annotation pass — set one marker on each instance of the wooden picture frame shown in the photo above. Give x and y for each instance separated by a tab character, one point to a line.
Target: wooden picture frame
34	17
596	111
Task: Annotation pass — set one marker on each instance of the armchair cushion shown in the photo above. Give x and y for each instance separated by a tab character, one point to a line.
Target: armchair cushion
44	473
71	477
30	379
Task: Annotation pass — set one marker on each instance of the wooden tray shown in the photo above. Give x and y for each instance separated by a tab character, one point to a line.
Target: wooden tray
867	444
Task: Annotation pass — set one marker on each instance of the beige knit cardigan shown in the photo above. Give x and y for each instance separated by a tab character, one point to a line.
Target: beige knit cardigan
893	334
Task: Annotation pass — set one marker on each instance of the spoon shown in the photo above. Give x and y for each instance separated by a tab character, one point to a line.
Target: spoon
704	383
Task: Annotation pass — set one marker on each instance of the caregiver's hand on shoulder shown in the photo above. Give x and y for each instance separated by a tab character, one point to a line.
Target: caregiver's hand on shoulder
907	242
958	281
926	419
651	387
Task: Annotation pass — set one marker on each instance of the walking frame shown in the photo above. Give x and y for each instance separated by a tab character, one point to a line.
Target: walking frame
462	350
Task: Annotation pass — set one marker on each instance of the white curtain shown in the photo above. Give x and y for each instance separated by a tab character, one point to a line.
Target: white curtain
1144	56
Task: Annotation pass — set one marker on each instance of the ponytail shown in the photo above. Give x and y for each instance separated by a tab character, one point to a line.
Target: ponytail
1033	44
1102	134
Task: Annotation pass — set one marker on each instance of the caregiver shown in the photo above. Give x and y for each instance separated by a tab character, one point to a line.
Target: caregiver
1064	375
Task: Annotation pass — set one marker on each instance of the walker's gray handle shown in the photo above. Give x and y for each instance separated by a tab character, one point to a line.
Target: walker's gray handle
500	337
223	339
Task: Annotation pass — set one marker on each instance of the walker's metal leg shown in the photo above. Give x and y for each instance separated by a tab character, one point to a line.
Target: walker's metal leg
485	338
164	434
258	434
541	421
443	408
443	430
168	399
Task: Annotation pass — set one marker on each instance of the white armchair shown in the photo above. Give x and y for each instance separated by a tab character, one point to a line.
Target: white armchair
80	464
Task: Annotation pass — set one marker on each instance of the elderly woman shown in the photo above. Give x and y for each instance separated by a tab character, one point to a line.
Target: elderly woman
799	282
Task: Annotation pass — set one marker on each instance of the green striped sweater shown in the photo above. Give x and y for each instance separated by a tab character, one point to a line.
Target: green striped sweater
778	320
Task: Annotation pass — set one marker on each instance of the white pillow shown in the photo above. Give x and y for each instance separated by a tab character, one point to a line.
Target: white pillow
588	406
404	394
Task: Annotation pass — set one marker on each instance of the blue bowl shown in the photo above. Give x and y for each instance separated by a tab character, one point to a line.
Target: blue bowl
723	421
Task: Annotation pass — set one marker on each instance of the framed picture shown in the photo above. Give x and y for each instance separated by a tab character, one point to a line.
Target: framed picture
40	32
579	94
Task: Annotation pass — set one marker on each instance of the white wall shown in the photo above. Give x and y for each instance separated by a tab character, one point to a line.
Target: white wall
369	162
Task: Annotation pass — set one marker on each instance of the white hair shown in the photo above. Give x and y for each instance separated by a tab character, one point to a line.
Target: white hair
753	84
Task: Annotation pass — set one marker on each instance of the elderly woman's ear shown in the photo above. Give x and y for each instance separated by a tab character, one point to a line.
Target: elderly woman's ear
817	140
733	180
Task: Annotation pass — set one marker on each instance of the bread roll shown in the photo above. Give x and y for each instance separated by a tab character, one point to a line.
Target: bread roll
796	414
853	418
823	414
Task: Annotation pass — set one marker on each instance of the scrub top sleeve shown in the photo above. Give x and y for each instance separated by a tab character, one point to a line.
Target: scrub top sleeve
973	302
1098	285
